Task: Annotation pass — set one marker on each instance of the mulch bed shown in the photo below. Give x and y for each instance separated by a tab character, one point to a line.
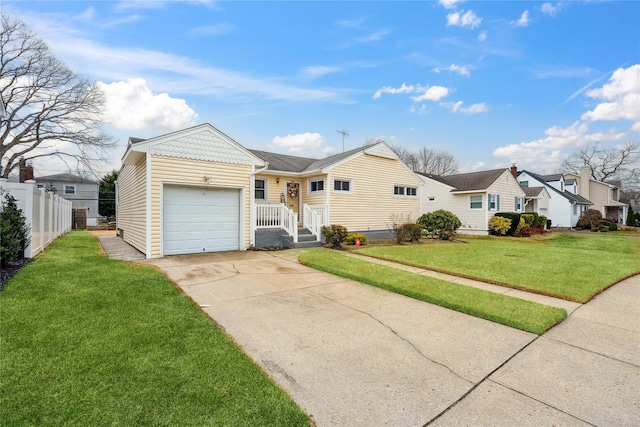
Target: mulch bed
8	271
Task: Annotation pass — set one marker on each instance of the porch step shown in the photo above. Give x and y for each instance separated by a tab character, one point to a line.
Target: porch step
305	240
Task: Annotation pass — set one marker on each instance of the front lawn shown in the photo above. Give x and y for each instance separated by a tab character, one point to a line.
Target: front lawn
90	341
573	266
525	315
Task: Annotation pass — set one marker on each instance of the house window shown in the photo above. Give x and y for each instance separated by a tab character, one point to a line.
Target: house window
493	201
69	189
399	190
260	191
524	184
475	202
316	186
40	186
341	185
431	199
519	204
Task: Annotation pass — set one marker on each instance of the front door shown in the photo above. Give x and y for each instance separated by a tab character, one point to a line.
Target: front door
292	196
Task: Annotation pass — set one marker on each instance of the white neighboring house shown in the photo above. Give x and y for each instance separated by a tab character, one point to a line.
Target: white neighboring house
81	192
473	197
565	206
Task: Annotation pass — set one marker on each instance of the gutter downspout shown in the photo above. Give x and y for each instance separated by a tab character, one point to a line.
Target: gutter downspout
252	203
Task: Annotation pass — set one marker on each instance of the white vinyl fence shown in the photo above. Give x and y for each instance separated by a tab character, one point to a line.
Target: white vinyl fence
48	216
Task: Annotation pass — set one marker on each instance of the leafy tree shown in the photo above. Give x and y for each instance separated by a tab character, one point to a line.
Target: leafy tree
14	231
47	105
107	194
442	223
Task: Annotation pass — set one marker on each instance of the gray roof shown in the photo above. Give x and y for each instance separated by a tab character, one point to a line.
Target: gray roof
573	198
65	177
532	191
134	140
577	198
553	177
287	163
473	181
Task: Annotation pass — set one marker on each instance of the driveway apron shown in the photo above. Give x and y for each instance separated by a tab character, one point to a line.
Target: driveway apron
349	354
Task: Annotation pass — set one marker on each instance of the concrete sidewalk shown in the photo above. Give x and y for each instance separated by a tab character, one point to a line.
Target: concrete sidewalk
354	355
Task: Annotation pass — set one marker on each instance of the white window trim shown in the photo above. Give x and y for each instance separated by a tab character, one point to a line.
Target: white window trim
350	181
324	186
496	202
266	194
69	186
521	201
481	203
404	191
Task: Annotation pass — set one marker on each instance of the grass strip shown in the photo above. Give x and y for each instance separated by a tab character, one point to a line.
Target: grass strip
515	312
573	266
90	341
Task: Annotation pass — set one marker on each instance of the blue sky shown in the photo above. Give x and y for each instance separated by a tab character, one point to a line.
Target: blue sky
491	82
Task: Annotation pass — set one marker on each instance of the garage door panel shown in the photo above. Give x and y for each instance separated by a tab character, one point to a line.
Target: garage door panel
200	220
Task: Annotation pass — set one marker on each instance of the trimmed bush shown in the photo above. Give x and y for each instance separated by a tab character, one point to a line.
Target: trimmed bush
515	221
499	225
334	235
441	223
14	231
590	219
403	229
529	218
351	239
613	226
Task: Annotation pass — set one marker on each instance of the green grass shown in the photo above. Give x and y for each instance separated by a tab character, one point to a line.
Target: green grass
573	266
90	341
525	315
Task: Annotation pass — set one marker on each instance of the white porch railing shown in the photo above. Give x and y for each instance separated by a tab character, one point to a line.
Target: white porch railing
277	215
314	218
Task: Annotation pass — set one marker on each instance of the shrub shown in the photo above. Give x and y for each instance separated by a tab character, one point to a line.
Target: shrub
515	221
441	223
590	218
403	228
529	218
543	222
412	231
499	225
335	235
522	226
351	239
14	231
613	226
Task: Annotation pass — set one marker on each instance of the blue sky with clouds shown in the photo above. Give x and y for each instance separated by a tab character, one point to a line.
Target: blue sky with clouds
492	82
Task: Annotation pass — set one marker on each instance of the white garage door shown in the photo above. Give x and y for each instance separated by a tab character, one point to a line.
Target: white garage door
200	220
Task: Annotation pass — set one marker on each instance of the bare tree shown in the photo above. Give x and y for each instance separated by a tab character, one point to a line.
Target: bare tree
50	110
406	156
617	163
436	162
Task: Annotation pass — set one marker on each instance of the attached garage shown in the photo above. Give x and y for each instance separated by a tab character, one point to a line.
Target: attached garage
197	219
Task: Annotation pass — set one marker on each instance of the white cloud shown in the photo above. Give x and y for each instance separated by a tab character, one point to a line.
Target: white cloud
555	146
461	70
316	71
389	89
449	4
213	30
373	37
478	166
456	107
635	127
523	21
132	105
462	19
621	95
549	9
433	93
299	142
482	36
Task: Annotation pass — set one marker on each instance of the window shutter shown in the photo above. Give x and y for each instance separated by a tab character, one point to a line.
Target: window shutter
488	201
498	202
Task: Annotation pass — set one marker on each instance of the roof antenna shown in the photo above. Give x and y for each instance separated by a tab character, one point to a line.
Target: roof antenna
344	133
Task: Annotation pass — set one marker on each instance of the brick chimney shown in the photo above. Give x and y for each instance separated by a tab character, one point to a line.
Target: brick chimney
514	171
26	170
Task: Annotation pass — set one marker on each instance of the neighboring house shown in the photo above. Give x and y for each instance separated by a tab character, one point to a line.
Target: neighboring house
473	197
564	206
536	200
605	196
198	190
82	192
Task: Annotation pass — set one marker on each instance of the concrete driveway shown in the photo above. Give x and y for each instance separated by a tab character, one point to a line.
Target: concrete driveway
354	355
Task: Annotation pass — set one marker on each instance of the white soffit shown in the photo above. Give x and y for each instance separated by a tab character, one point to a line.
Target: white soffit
204	145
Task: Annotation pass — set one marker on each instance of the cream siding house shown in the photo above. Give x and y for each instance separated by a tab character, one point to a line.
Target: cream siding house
473	197
198	190
605	196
